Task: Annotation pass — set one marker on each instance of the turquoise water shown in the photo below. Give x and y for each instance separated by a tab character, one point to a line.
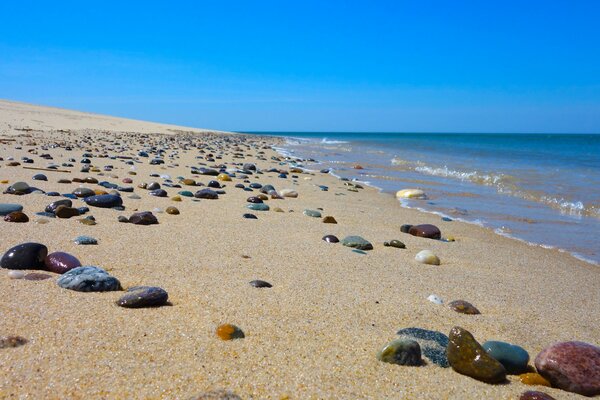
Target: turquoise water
541	188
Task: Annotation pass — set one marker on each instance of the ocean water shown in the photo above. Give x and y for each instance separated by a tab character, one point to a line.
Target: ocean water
540	188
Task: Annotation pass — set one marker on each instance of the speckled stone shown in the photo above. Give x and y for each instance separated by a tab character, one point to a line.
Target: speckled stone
25	256
17	217
535	395
11	341
85	240
258	207
88	279
467	357
357	242
143	218
571	366
433	344
331	239
260	284
395	243
229	332
533	378
401	352
143	296
514	358
60	262
312	213
463	307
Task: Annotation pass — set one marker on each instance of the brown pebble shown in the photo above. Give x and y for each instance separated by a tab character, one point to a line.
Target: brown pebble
172	210
16	216
463	307
12	341
535	395
63	211
329	220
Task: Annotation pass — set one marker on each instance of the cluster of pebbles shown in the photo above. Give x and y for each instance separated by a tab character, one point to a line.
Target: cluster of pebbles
571	366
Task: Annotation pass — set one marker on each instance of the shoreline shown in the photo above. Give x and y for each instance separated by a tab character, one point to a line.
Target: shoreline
314	334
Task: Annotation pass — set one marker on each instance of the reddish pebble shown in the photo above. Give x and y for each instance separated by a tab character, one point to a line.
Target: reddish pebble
535	395
60	262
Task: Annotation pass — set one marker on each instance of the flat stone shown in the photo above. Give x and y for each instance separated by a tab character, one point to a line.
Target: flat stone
7	208
88	279
249	216
254	200
571	366
312	213
143	218
433	344
143	296
258	207
331	239
66	212
206	194
87	221
467	357
186	193
104	201
83	192
329	220
260	284
533	378
25	256
60	262
51	208
39	177
535	395
289	193
85	240
427	257
425	230
514	358
16	216
229	332
463	307
401	352
7	342
357	242
36	276
395	243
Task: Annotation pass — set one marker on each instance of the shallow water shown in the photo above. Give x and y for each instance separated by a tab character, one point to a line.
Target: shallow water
541	188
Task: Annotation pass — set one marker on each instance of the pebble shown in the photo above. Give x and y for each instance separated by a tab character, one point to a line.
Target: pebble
172	210
571	366
39	177
467	357
258	207
7	208
514	358
176	198
433	344
134	197
535	395
425	230
278	209
158	193
16	216
60	262
224	178
143	218
427	257
229	332
143	296
88	279
401	352
435	299
186	193
15	274
217	395
312	213
289	193
249	216
83	192
357	242
331	239
188	182
85	240
463	307
122	218
411	194
35	276
206	194
254	199
329	220
25	256
395	243
260	284
104	201
66	212
87	221
20	187
11	341
533	378
405	228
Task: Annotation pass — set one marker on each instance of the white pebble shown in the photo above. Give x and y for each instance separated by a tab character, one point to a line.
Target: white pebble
427	257
435	299
411	194
14	274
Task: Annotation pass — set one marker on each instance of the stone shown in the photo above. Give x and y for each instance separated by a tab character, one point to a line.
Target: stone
224	178
51	208
206	194
143	218
467	357
357	242
188	182
66	212
83	192
153	186
11	341
278	209
514	358
176	198
571	366
258	207
7	208
172	210
16	216
87	221
411	194
20	187
16	274
260	284
85	240
331	239
329	220
39	177
186	193
401	352
60	262
25	256
217	395
535	395
104	201
88	279
35	276
229	332
143	296
433	344
214	184
158	193
533	378
395	243
263	189
254	199
122	218
312	213
435	299
249	216
405	228
425	230
463	307
427	257
289	193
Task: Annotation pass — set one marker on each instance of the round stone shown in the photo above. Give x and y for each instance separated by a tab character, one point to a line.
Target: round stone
312	213
224	178
158	193
40	177
401	352
411	194
514	358
427	257
104	201
143	296
172	210
395	243
66	212
206	194
425	230
88	279
186	193
229	332
464	307
435	299
51	208
254	200
83	192
20	187
260	284
16	216
25	256
331	239
60	262
289	193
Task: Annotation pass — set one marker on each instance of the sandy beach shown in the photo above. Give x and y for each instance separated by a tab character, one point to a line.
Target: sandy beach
313	335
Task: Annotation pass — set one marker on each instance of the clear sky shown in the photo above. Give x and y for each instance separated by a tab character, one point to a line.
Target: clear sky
420	66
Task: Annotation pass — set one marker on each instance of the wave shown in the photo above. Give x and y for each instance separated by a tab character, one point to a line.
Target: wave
327	141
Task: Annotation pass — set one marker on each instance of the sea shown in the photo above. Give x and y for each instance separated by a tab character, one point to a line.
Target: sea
543	189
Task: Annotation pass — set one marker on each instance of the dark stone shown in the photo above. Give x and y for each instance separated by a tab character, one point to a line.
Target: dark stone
159	193
83	192
12	341
254	199
40	177
214	184
143	296
463	307
16	216
395	243
85	240
535	395
206	194
249	216
25	256
88	279
405	228
571	366
425	230
260	284
401	352
217	395
60	262
331	239
143	218
433	344
153	186
104	201
66	212
357	242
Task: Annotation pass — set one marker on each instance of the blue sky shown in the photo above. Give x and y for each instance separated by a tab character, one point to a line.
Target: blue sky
418	66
